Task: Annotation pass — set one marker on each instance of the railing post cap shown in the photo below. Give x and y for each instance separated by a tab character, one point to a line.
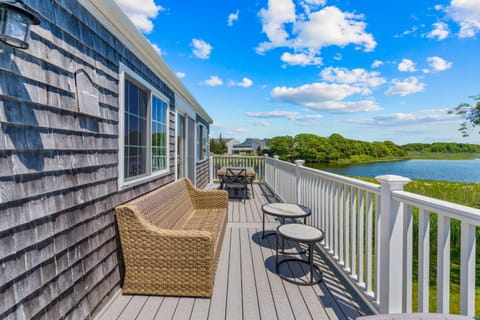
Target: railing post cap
392	179
276	157
266	155
299	163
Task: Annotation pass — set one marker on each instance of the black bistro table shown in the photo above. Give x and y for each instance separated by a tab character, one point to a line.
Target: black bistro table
284	211
300	233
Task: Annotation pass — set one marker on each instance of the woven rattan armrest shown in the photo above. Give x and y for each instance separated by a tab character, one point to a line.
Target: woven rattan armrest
209	199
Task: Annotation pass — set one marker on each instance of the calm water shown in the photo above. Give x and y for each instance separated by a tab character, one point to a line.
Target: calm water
446	170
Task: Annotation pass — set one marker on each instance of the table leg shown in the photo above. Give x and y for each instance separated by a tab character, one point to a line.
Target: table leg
263	226
310	259
276	252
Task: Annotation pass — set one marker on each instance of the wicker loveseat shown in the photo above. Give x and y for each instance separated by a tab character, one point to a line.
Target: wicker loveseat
171	240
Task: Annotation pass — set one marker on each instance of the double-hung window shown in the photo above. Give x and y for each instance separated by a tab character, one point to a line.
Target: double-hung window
144	131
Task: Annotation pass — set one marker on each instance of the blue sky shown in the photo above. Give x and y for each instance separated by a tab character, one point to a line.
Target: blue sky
369	70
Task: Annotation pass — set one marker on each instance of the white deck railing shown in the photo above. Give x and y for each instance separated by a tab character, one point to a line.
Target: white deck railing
369	233
256	162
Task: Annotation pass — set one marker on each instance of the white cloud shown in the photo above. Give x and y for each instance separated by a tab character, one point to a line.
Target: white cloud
290	115
439	64
338	57
348	106
245	83
232	17
330	26
311	30
300	59
405	87
325	97
356	76
213	81
407	65
407	32
422	116
310	95
467	14
279	12
260	123
310	5
140	12
377	63
440	31
180	75
201	49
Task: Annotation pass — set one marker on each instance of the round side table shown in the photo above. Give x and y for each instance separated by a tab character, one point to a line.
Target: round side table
300	233
283	211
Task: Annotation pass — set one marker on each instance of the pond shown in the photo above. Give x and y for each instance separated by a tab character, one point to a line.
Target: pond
445	170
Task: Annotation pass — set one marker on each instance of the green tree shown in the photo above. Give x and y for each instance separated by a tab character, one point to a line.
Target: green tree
470	113
282	147
218	146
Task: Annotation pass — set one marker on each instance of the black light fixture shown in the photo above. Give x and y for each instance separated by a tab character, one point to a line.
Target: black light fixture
15	22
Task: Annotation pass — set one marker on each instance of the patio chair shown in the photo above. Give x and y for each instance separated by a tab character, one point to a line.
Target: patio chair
236	180
221	178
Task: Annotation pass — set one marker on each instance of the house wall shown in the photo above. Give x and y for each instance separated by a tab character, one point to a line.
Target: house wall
59	254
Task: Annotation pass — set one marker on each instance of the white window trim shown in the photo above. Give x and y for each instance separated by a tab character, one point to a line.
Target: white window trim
126	72
201	127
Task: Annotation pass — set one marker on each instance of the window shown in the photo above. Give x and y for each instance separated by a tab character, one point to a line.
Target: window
202	142
159	134
144	147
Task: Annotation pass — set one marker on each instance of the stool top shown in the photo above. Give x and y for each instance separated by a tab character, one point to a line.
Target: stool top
287	210
300	232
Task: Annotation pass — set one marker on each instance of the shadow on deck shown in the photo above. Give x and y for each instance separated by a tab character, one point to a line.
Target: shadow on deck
246	285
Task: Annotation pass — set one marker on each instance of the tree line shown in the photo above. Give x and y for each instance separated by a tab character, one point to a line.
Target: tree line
335	148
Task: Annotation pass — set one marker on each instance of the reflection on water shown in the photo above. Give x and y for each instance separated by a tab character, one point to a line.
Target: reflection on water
445	170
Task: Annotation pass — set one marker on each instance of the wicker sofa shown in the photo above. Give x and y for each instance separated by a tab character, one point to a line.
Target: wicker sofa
171	240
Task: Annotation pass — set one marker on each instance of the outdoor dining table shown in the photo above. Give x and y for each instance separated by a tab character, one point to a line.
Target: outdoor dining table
222	172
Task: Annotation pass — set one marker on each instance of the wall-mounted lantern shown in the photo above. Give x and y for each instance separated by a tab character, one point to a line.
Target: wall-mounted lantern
15	22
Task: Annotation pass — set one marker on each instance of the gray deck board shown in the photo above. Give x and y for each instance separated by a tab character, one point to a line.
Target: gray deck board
246	285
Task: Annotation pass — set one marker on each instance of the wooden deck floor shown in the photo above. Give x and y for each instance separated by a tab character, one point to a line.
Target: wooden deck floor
246	285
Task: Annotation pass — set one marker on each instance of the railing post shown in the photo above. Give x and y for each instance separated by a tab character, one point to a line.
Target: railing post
390	231
298	178
275	173
264	167
210	165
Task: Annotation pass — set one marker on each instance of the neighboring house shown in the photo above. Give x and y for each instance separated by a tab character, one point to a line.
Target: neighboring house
250	145
229	142
90	117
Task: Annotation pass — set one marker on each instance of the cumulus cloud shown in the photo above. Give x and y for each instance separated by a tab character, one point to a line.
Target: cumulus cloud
260	123
310	95
245	83
407	65
180	75
330	26
393	119
311	30
407	32
290	115
405	87
357	76
440	31
324	96
467	14
439	64
347	106
377	63
201	49
232	17
140	12
213	81
300	59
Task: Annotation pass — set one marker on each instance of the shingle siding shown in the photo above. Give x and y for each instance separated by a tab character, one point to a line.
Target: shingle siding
59	168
